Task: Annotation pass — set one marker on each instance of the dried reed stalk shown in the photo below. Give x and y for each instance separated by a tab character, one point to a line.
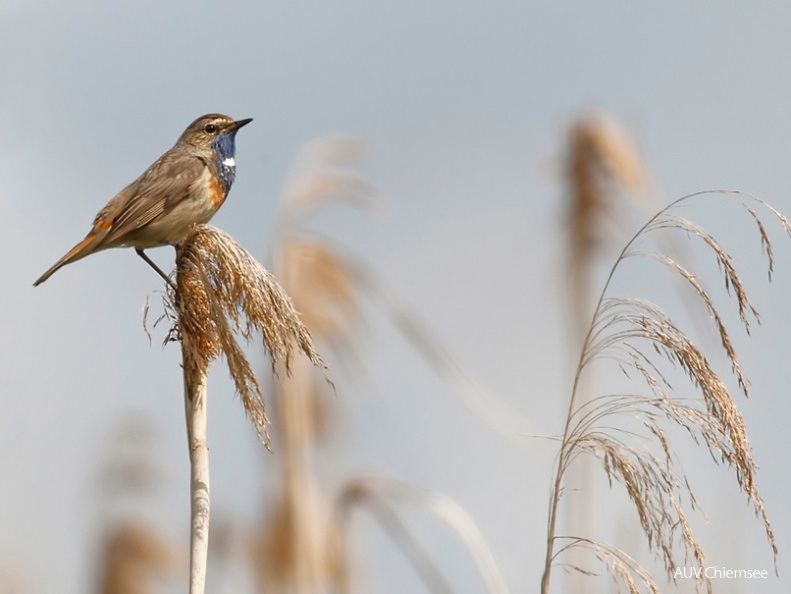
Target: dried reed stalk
297	550
300	549
486	404
601	160
327	282
602	165
223	292
643	340
195	393
378	494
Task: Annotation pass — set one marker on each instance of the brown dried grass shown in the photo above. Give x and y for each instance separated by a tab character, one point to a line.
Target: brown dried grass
322	287
642	340
134	556
321	175
280	554
383	497
297	549
601	162
223	293
623	569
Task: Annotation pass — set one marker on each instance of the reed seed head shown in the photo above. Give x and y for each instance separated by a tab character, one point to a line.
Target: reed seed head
224	293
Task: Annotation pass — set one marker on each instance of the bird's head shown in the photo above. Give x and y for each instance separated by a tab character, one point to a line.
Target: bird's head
212	130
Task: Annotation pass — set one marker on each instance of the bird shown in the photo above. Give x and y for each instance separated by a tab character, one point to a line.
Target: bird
181	189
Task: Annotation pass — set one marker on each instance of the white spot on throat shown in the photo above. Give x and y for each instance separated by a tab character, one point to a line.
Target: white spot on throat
229	162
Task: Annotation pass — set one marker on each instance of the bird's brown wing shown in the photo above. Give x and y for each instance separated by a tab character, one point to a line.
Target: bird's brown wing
161	187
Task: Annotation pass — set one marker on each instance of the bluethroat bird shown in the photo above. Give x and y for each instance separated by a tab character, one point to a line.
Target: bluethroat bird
184	187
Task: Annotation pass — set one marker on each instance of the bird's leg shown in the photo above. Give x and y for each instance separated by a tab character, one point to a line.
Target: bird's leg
150	262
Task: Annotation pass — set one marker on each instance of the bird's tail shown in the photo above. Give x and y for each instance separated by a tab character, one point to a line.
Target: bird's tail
85	247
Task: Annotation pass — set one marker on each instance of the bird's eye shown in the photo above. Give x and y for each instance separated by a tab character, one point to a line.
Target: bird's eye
210	128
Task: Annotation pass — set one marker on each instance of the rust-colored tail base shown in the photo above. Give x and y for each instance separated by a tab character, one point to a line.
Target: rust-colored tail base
82	249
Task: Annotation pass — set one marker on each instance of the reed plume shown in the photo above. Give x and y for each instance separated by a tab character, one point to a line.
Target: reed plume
303	546
602	170
134	555
223	293
645	342
383	497
298	549
602	164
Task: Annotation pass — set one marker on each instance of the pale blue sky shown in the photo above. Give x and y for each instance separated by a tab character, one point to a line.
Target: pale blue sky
463	106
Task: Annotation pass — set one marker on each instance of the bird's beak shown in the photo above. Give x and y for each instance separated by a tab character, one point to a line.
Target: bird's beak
239	123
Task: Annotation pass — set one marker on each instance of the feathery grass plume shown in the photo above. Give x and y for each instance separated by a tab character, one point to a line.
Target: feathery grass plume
135	555
602	167
327	282
622	568
297	549
222	292
300	549
381	496
601	160
618	430
321	175
322	287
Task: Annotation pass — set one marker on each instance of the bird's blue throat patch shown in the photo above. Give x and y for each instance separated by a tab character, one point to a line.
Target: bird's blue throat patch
225	148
